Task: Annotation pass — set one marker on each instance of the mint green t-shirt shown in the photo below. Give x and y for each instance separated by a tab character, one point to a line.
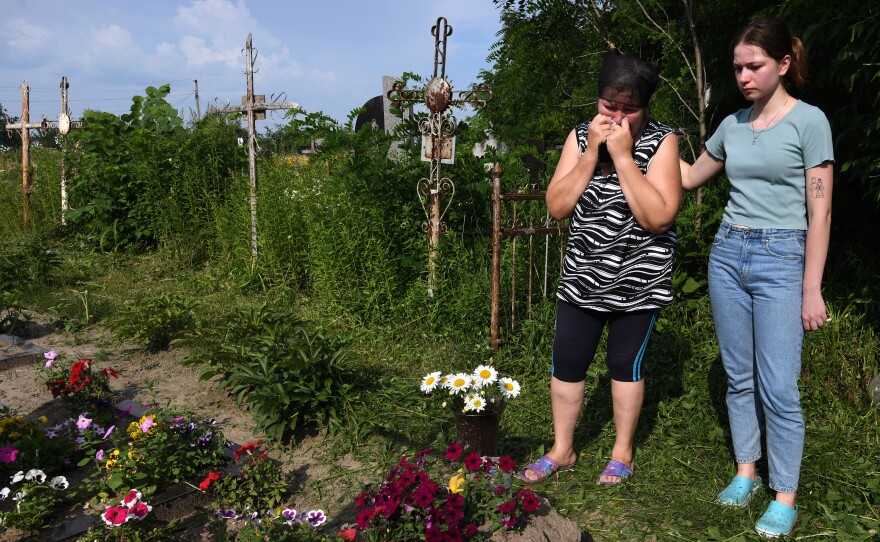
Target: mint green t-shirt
768	186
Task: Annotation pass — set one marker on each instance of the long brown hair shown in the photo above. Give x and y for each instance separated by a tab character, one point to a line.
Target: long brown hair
774	37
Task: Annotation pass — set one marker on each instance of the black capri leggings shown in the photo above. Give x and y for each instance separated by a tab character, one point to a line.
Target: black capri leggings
577	336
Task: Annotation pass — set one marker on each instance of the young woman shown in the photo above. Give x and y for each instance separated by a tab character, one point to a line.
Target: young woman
618	179
765	269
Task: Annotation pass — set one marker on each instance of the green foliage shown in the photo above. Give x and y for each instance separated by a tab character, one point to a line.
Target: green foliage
26	261
258	483
35	501
8	139
287	374
154	323
275	529
35	449
123	172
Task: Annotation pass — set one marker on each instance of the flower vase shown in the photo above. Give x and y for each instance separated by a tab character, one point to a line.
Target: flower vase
479	431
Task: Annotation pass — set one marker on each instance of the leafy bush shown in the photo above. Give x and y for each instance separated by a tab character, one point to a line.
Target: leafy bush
287	374
154	323
259	483
123	172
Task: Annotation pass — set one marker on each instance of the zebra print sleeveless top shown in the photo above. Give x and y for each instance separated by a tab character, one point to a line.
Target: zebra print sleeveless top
611	263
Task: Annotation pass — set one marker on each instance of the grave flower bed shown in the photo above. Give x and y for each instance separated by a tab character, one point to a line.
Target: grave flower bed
114	466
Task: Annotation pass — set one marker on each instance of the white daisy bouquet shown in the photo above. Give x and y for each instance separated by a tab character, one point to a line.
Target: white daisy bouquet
474	392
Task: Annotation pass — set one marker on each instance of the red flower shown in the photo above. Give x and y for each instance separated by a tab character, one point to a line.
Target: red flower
507	507
246	449
390	506
140	510
363	519
206	483
453	452
348	534
505	463
530	502
470	530
423	453
109	371
433	534
454	500
473	461
131	498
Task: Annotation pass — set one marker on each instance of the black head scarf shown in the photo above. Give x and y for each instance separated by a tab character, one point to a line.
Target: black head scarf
626	79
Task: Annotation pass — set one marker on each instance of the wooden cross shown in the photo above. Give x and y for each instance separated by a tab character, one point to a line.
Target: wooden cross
64	125
437	127
254	107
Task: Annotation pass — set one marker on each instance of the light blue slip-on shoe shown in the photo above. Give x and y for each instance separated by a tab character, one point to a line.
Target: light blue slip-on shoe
739	492
778	520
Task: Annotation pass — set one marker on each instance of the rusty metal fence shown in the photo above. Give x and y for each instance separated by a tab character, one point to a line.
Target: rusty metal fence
522	213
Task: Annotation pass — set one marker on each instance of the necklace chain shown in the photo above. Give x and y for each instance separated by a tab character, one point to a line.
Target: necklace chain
769	123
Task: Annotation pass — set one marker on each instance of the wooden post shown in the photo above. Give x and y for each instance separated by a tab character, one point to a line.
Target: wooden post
497	173
25	156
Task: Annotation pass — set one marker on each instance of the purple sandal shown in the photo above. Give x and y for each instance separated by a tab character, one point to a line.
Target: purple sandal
542	468
615	468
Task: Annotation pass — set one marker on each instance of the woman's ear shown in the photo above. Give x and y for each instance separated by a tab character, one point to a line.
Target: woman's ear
784	64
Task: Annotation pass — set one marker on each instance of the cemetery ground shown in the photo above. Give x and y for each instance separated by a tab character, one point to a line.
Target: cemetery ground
682	456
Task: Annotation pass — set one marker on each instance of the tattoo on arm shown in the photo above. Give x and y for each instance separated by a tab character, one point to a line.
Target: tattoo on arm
817	188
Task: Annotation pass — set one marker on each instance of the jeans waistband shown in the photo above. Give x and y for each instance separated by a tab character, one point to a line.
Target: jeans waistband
735	230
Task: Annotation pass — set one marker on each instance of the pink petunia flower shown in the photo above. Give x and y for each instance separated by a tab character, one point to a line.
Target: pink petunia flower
100	455
107	434
8	454
148	423
132	498
139	511
115	515
83	422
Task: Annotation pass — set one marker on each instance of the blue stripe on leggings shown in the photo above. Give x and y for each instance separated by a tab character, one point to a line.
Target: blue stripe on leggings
637	364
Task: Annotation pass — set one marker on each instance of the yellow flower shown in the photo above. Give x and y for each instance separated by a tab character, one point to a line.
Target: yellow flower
114	454
43	419
15	435
132	454
456	484
110	463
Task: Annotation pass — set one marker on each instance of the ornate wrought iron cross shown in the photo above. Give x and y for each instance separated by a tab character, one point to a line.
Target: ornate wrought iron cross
438	128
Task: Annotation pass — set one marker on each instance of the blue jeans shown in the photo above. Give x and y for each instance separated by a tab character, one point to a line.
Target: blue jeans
755	285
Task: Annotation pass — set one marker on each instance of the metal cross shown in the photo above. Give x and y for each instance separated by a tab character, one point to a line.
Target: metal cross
437	127
254	107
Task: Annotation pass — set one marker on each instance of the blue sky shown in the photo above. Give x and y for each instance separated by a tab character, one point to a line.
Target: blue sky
326	55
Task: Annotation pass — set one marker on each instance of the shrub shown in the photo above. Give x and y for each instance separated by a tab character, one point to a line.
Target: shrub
154	323
287	374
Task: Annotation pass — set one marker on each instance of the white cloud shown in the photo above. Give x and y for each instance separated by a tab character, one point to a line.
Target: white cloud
114	38
23	36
